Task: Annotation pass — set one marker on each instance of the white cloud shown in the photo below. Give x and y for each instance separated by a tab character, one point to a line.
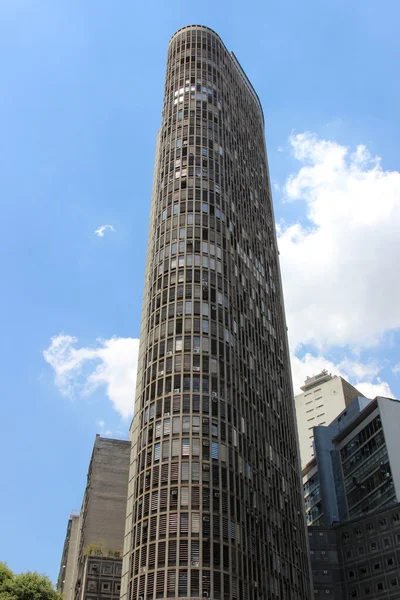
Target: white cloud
339	273
364	376
111	363
371	390
105	431
100	231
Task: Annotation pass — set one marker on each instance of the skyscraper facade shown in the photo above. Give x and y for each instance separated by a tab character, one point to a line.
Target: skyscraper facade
215	507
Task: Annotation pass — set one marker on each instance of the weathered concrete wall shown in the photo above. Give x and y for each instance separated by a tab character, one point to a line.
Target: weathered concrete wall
106	495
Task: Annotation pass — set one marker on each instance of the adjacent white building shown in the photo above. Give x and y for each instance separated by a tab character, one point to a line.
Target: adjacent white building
323	397
356	469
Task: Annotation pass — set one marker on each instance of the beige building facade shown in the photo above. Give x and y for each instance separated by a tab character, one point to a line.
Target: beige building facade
323	397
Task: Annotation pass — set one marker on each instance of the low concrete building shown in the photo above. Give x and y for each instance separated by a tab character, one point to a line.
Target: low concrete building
369	554
101	578
359	558
325	563
96	562
104	502
66	577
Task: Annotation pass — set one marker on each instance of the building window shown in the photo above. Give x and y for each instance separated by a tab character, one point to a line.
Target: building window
94	568
214	450
157	452
185	447
383	523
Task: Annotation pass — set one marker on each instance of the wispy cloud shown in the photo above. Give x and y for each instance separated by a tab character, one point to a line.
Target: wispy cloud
80	371
100	231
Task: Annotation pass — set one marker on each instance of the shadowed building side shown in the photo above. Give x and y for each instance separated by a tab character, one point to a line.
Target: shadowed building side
92	553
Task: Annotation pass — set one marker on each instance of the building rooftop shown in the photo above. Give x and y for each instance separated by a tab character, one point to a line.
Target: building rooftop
315	380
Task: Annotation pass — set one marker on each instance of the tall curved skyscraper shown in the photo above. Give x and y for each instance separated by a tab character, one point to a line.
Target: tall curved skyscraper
215	508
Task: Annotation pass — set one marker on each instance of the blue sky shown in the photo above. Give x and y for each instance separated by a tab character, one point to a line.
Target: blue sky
80	105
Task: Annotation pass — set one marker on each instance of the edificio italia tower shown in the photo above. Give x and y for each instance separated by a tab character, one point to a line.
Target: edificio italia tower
215	508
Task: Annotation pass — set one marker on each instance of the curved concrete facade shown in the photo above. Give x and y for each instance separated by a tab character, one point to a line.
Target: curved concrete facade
215	508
